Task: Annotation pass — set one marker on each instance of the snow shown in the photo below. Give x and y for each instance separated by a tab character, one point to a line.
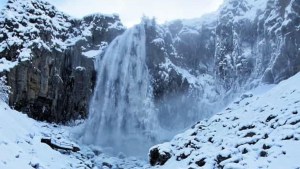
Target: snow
116	25
247	9
256	5
202	81
20	144
158	42
6	64
94	53
259	130
91	53
80	68
198	22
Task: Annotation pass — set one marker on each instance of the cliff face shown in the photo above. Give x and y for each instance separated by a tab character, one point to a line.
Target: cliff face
247	42
180	79
201	64
257	41
54	74
244	41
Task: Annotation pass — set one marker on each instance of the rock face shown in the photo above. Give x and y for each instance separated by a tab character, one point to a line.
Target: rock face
174	61
54	53
244	41
257	40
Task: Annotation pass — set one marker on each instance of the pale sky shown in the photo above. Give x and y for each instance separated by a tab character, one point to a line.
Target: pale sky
131	11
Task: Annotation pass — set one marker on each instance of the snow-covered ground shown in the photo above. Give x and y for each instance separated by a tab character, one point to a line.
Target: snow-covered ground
258	130
20	142
21	147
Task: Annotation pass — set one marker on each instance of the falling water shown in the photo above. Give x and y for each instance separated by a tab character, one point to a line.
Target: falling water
122	115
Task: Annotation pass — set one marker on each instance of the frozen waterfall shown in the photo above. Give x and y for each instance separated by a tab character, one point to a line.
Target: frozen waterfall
122	115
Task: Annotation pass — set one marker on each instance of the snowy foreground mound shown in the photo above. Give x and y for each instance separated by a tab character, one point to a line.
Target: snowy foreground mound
256	131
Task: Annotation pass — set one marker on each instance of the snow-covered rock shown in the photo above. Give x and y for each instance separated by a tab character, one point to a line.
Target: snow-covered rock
41	50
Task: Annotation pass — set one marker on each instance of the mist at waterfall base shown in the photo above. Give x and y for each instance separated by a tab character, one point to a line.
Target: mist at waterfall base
123	116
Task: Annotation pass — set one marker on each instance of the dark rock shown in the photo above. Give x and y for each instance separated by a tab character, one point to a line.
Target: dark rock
221	158
263	154
288	137
265	147
34	165
182	157
59	146
250	134
247	127
201	162
270	118
158	158
295	122
107	165
210	139
245	151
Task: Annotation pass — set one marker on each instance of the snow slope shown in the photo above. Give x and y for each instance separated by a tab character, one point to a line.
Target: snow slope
256	131
21	147
20	144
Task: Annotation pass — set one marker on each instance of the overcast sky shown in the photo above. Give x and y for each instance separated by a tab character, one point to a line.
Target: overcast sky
131	11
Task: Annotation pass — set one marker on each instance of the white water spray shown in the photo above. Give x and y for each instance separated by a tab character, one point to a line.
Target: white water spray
122	115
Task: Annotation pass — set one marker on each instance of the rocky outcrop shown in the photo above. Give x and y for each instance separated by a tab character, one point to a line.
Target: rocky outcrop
157	157
55	76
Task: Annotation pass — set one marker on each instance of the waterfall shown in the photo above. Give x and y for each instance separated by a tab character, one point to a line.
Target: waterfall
122	115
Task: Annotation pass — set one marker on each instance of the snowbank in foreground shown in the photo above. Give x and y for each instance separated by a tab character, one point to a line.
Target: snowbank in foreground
21	147
20	143
256	131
